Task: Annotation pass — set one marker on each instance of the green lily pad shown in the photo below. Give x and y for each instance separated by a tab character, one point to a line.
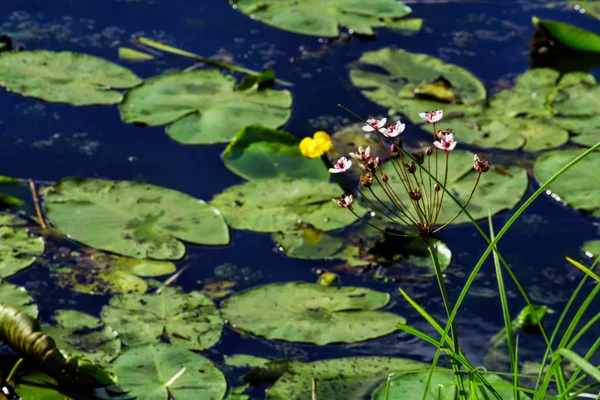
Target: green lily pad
147	372
311	313
188	320
577	185
412	83
96	272
203	106
257	152
589	7
322	18
571	36
18	250
36	385
498	189
17	297
509	133
79	334
586	130
352	378
281	204
592	247
411	385
133	219
65	77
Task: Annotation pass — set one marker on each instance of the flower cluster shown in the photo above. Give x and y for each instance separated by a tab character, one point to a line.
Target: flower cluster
419	175
316	146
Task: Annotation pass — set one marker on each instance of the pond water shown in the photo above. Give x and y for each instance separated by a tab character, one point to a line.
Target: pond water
46	142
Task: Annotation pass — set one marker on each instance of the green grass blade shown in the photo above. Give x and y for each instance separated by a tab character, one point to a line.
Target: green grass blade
588	368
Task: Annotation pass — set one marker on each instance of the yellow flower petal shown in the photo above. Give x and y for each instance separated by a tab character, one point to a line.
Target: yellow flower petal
307	147
323	141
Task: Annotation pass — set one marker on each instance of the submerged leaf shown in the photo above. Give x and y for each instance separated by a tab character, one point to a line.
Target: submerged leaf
311	313
96	272
79	334
203	106
160	371
189	320
323	18
133	219
64	77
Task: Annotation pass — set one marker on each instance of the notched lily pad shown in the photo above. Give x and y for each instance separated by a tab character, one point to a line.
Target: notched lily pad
257	152
79	334
18	298
18	250
311	313
324	17
189	320
133	219
64	77
282	204
204	106
150	372
96	272
576	185
352	378
411	83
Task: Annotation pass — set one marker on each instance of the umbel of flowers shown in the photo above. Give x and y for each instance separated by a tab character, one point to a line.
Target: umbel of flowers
417	175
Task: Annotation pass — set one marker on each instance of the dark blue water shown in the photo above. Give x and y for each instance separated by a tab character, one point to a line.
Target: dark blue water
47	142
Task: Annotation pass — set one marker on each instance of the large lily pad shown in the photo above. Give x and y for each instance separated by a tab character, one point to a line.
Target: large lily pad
498	189
281	204
577	186
133	219
203	106
352	378
79	334
411	386
18	250
189	320
147	372
411	83
18	298
64	77
257	152
311	313
97	272
322	18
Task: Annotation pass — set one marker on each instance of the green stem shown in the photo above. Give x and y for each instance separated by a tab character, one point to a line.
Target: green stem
440	278
14	370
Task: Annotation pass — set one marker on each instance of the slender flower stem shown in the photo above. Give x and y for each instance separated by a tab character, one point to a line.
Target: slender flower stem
14	370
463	206
448	306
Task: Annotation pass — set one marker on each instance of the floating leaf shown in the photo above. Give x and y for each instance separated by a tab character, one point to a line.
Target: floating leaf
17	250
281	204
569	35
151	373
17	298
127	54
592	247
37	385
352	378
246	360
406	80
189	320
133	219
79	334
96	272
203	106
311	313
589	7
498	189
257	152
576	186
324	17
64	77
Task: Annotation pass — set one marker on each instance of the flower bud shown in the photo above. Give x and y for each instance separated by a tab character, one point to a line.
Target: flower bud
415	194
384	177
410	167
419	157
436	187
378	161
393	149
428	151
480	165
366	180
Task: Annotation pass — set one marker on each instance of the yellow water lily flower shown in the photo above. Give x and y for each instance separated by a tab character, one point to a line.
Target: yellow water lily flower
316	146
